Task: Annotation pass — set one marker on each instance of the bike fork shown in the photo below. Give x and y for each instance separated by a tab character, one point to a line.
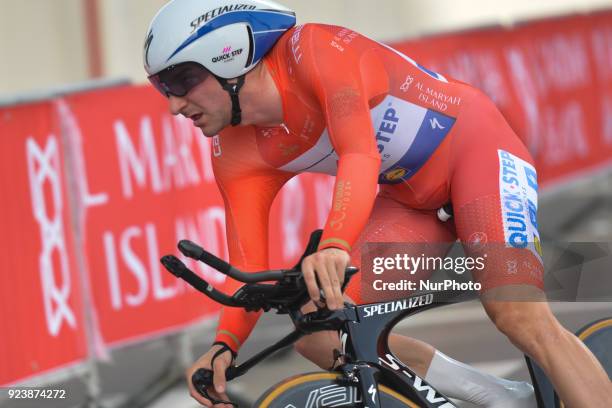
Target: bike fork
370	397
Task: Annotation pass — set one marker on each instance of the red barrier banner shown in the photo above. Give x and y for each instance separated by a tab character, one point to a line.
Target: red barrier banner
41	319
552	79
145	181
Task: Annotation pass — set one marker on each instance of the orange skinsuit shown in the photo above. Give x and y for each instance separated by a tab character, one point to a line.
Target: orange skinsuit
361	111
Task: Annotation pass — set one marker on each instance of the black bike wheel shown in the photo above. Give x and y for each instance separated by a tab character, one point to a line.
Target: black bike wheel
322	390
597	336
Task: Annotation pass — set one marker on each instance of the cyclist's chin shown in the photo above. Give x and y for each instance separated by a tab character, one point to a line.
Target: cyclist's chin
209	130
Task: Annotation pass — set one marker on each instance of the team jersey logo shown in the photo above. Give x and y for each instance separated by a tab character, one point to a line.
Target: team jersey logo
406	136
518	190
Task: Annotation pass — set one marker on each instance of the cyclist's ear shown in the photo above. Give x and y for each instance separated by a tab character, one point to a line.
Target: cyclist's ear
312	246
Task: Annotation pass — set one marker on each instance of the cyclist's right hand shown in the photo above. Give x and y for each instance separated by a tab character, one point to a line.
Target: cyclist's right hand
220	364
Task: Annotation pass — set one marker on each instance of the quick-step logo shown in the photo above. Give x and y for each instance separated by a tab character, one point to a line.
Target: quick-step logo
518	192
387	128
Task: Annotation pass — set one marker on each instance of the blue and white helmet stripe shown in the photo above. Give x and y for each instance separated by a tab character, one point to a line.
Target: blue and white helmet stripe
267	26
227	37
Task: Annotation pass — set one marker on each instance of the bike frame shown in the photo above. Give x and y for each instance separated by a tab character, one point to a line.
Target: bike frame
367	359
370	358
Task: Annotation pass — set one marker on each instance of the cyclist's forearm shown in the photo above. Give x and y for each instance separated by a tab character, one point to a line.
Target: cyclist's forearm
235	326
354	195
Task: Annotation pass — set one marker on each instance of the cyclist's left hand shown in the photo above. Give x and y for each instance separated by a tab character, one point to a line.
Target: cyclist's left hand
328	266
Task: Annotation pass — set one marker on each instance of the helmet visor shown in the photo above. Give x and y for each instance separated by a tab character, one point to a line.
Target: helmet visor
179	79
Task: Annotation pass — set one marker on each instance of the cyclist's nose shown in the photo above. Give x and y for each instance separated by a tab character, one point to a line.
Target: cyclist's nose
177	104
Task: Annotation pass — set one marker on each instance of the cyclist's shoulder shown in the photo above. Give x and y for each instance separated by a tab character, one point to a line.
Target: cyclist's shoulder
236	154
306	40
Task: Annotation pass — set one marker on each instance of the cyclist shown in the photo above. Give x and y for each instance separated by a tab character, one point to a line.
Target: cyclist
285	100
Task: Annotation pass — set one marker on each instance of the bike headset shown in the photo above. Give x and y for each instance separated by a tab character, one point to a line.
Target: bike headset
188	40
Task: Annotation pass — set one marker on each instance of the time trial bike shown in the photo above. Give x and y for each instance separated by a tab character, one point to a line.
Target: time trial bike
368	374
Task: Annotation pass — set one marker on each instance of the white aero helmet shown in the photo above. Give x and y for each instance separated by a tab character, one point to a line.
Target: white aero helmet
225	38
228	38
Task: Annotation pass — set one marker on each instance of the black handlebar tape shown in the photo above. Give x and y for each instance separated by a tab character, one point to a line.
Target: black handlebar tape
194	251
178	269
203	378
351	270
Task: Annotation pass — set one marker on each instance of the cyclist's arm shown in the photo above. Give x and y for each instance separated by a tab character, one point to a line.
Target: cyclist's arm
248	191
336	78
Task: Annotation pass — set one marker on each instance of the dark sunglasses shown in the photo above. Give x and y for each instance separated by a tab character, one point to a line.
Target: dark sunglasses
179	79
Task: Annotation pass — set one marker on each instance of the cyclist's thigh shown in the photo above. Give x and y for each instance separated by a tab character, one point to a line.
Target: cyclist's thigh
393	222
494	195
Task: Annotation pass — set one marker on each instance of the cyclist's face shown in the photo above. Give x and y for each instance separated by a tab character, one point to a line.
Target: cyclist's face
207	105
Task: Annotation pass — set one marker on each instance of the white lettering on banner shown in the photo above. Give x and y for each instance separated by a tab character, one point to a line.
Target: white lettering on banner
160	292
601	40
177	156
292	210
207	230
131	163
78	173
139	162
606	118
147	282
112	269
554	135
564	134
562	63
482	69
135	266
527	93
44	167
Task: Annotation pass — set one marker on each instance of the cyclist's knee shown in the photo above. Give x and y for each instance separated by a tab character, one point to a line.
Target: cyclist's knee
302	346
319	348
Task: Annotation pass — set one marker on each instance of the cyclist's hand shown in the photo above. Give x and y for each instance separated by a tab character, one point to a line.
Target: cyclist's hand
328	265
221	363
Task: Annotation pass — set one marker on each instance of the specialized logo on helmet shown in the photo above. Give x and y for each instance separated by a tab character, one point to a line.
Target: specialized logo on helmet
217	12
147	46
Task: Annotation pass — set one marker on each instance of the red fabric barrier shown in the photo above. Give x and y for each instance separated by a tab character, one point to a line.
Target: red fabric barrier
41	319
140	180
552	79
149	183
152	184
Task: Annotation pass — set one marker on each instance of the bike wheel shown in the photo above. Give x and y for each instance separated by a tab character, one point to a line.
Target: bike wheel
597	336
322	390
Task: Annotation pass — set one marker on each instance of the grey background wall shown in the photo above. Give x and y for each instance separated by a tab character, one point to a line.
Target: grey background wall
44	43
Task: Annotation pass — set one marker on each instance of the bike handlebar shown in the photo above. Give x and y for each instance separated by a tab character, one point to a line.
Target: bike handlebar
287	294
288	290
194	251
